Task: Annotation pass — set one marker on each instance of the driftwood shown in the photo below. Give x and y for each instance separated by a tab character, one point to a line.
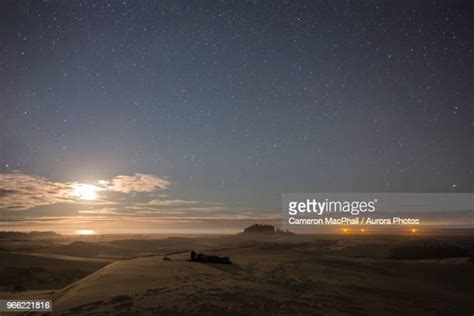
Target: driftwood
200	257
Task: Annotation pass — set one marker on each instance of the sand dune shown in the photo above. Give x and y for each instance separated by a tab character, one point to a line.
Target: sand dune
270	275
20	271
271	280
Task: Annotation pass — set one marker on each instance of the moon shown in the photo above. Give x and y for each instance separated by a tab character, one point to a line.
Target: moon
86	192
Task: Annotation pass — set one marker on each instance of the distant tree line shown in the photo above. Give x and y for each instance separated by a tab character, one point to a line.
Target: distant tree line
265	229
25	235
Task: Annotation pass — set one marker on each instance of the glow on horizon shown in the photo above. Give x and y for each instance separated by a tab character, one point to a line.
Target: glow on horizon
85	232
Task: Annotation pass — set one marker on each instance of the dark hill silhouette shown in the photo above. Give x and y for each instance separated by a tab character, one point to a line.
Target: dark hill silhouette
265	230
25	235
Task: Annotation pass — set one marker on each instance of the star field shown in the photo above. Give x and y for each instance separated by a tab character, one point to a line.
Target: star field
240	101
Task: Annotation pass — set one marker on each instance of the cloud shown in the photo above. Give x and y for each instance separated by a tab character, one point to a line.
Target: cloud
5	192
19	191
183	205
99	211
171	202
139	182
105	211
28	201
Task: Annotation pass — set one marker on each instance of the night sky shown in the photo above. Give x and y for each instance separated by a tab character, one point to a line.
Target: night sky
230	103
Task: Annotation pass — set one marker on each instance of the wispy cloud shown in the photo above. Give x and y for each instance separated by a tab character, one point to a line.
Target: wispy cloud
19	191
100	211
139	182
109	205
171	202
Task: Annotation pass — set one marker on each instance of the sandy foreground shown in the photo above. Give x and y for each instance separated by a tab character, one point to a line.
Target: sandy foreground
288	276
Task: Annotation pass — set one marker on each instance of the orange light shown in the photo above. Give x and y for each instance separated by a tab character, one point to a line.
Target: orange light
345	230
413	230
362	230
85	232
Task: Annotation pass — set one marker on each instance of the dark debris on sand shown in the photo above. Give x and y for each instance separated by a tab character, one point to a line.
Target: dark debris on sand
200	257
